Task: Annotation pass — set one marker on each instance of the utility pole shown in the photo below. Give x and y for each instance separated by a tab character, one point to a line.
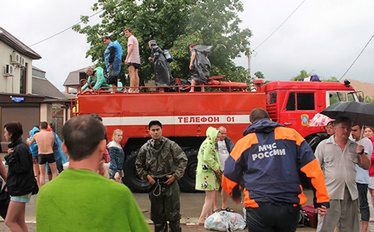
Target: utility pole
249	61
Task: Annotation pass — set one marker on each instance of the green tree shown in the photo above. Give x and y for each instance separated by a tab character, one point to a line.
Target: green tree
174	24
331	79
303	74
259	75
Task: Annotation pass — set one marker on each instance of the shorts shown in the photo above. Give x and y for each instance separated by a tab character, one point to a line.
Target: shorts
371	182
112	80
46	158
22	199
136	66
35	159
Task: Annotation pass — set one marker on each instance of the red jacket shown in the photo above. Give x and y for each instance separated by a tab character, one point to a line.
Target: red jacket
371	169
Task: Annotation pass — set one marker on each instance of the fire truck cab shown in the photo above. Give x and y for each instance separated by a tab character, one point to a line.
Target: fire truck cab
186	116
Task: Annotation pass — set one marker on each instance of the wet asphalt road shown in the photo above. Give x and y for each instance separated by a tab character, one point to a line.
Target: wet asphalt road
191	204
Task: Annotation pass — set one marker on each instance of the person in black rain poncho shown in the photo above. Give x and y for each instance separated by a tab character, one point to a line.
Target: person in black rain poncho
160	59
199	65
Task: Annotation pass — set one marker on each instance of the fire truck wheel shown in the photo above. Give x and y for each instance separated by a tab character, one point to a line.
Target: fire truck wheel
130	178
187	182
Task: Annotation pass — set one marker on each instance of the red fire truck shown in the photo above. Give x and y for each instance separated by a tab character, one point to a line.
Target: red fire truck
186	116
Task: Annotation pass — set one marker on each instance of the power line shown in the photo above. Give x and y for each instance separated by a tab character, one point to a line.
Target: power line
276	29
58	33
363	49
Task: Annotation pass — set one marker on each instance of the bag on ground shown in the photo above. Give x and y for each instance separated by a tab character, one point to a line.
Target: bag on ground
225	221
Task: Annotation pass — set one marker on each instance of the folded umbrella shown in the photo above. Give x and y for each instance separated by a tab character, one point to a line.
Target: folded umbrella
356	111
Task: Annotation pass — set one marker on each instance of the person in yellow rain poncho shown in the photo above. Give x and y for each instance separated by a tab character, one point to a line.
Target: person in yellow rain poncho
208	172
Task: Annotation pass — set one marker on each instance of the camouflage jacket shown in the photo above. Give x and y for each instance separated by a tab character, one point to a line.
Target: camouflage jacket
159	158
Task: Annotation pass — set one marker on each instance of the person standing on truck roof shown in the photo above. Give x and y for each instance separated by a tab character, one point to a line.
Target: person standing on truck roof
338	156
113	61
132	60
224	147
266	163
199	65
161	162
362	176
80	199
95	79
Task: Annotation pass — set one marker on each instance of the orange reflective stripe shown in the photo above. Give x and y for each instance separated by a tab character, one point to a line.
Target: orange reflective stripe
289	134
302	196
242	145
228	185
247	201
313	171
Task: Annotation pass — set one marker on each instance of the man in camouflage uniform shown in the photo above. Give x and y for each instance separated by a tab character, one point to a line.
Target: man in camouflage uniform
161	162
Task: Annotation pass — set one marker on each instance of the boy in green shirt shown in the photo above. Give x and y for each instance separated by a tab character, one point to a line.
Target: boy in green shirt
79	199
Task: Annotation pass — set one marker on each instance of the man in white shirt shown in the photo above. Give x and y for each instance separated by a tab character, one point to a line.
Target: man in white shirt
338	156
224	147
362	176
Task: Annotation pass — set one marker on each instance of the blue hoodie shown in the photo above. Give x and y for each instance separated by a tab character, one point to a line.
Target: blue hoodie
33	147
57	150
113	56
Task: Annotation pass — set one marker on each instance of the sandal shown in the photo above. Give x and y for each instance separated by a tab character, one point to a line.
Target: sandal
228	209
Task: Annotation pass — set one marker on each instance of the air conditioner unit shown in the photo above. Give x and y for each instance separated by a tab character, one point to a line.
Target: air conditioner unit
8	70
22	61
16	57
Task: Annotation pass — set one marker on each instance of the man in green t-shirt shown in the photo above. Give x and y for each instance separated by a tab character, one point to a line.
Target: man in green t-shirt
79	199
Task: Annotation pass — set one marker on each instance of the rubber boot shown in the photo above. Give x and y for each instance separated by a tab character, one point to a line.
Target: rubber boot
161	227
175	226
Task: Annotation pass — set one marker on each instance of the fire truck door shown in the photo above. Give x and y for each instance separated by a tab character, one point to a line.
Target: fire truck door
298	109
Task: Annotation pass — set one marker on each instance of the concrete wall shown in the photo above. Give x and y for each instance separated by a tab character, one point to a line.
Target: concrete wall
11	84
46	112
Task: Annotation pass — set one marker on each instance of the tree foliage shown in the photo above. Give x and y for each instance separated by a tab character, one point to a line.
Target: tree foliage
174	24
259	75
303	74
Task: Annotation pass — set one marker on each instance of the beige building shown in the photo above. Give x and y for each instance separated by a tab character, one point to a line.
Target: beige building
25	94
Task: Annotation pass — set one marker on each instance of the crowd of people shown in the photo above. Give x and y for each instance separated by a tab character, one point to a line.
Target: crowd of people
261	170
110	75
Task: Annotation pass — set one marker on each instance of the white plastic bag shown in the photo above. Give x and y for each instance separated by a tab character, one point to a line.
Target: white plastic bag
225	221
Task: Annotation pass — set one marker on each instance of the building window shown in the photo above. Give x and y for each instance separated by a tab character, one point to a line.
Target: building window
23	80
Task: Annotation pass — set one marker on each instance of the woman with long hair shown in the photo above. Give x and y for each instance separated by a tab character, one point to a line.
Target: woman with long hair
21	182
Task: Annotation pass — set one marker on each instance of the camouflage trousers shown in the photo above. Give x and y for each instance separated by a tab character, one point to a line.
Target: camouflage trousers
165	207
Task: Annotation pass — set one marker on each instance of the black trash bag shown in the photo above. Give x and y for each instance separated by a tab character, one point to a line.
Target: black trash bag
4	202
201	65
161	65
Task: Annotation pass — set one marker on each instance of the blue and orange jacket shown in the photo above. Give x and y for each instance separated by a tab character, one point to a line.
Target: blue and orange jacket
266	163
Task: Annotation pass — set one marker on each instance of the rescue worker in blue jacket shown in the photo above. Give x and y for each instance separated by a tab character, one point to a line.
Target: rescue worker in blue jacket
113	60
266	162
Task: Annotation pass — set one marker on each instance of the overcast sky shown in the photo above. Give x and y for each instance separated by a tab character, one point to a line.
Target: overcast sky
322	37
